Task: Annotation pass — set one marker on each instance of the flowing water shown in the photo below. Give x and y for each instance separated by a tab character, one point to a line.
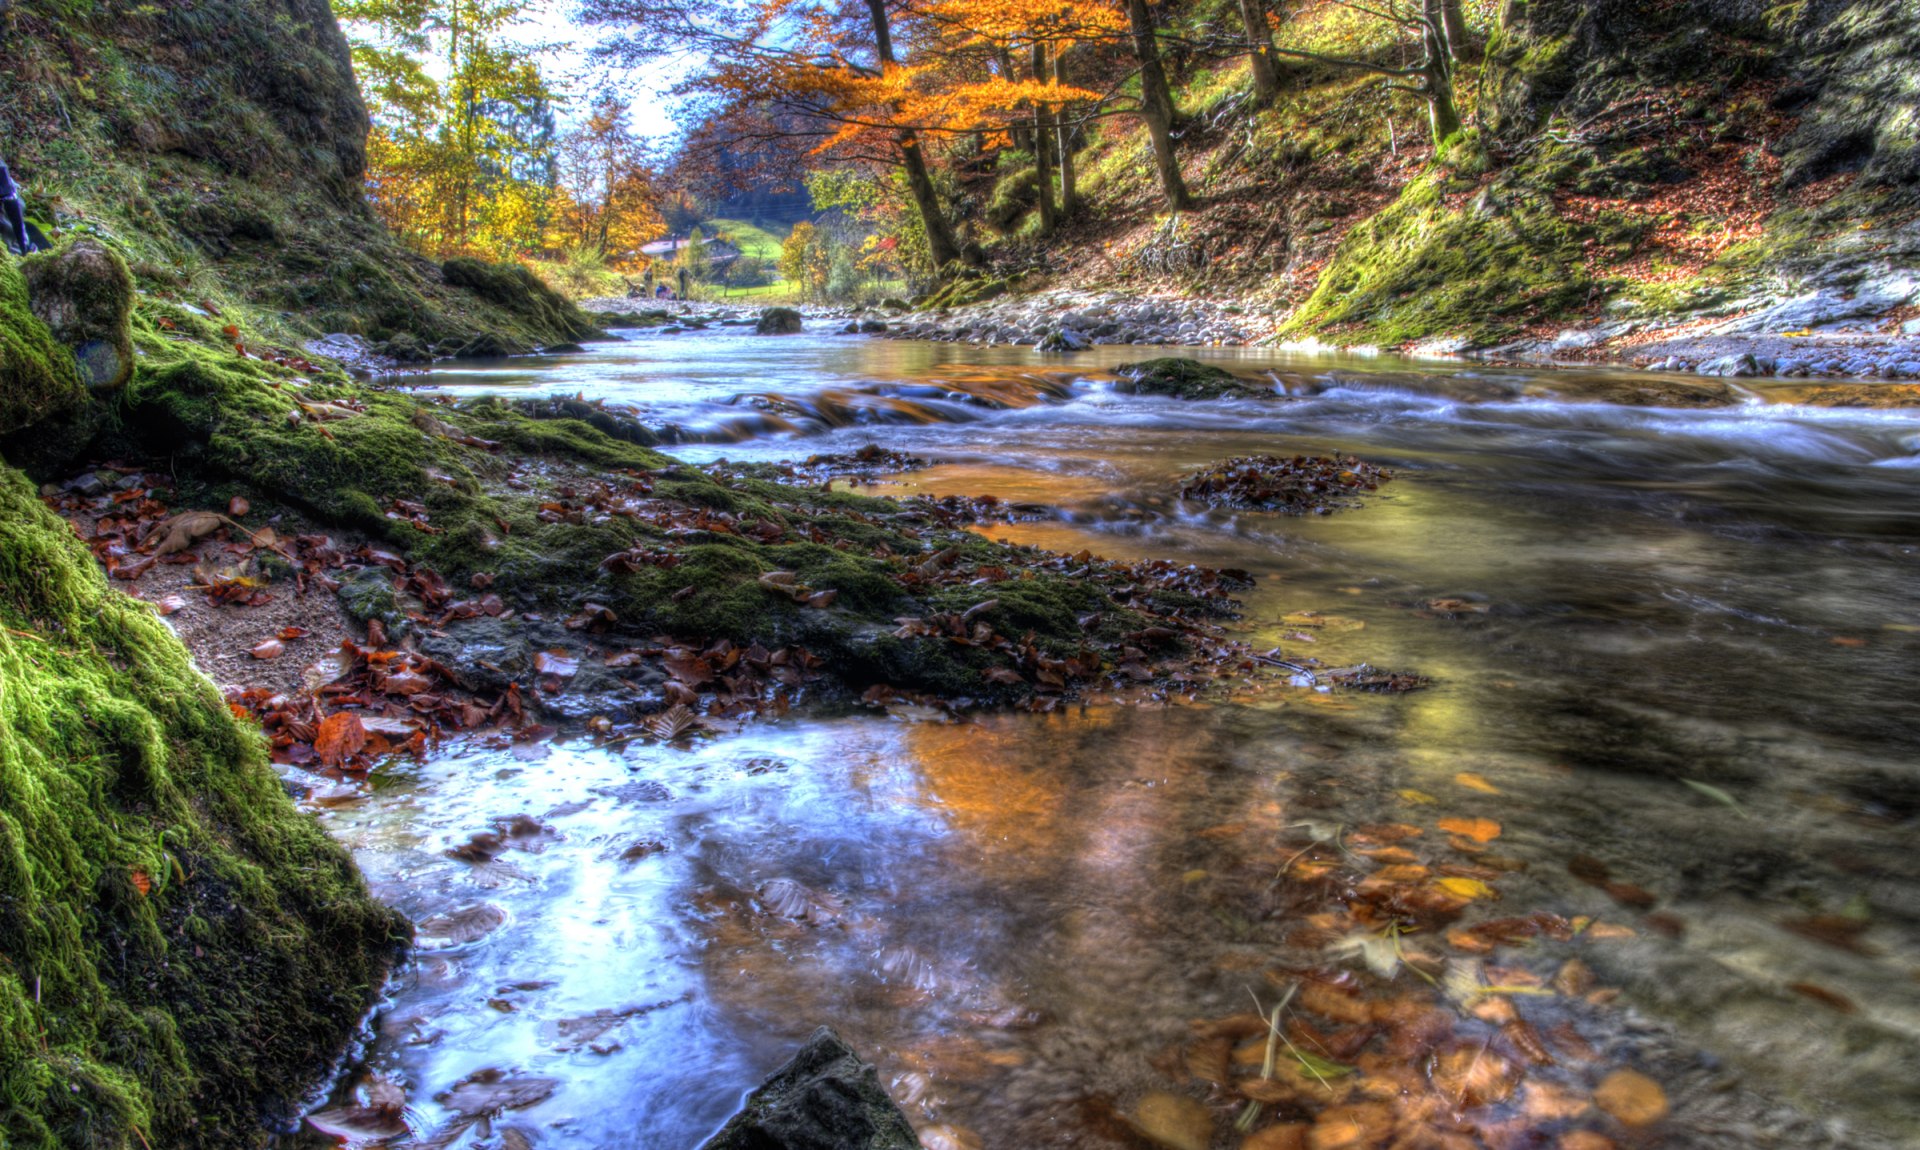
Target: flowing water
1682	646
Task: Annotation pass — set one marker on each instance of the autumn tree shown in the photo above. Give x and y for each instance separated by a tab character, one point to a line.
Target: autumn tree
613	204
460	156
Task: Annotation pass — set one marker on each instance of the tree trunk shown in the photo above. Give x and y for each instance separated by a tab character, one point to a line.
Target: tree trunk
1069	195
1266	77
1043	144
941	245
1454	22
1438	69
1022	137
1156	106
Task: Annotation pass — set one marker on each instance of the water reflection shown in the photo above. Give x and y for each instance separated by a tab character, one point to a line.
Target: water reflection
1678	646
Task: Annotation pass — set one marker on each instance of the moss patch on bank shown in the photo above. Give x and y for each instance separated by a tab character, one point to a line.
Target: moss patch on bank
179	948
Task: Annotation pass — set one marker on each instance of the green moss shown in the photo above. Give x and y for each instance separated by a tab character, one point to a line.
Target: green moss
179	947
83	292
1187	379
518	291
38	379
1440	262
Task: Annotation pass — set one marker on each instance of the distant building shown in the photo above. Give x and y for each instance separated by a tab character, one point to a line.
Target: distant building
720	253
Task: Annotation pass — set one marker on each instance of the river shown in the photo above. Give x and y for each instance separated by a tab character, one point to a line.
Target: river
1674	716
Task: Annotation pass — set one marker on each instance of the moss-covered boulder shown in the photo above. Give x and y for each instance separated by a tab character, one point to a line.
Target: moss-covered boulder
546	317
38	380
45	411
1188	379
83	292
181	951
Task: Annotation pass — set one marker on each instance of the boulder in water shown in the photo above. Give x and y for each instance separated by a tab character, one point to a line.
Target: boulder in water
779	321
1188	379
824	1098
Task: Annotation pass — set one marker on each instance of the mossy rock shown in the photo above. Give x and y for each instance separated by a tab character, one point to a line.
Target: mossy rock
779	321
1480	268
550	318
42	398
181	951
965	292
83	292
1187	379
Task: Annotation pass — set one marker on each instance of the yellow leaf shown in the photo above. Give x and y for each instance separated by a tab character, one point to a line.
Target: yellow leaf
1467	888
1420	797
1475	782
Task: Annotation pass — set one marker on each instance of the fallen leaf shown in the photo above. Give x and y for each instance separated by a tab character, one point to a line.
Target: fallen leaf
1479	830
1467	888
1631	1097
340	737
1475	782
270	649
237	507
560	664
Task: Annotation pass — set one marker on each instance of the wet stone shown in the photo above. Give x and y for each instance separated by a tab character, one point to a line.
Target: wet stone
824	1098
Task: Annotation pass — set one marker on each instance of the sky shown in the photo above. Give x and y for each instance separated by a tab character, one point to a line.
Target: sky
550	23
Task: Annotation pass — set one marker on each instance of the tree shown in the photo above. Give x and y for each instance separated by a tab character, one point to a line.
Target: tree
1431	78
1156	104
1266	77
613	201
693	258
461	164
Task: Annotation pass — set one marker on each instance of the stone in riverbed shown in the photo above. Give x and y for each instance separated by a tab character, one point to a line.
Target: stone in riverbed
779	321
824	1098
1188	379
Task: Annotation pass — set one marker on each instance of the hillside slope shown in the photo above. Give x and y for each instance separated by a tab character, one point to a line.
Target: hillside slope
220	148
1628	167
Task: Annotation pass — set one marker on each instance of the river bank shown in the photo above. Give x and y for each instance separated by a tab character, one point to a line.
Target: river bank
1820	335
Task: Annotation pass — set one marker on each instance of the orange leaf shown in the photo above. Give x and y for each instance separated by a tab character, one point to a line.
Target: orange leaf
1475	783
341	736
1479	830
141	882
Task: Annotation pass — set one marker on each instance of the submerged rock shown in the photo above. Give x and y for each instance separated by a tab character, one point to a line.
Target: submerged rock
1188	379
779	321
824	1098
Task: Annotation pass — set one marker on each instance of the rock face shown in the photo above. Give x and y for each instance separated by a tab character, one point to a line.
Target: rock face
825	1098
779	321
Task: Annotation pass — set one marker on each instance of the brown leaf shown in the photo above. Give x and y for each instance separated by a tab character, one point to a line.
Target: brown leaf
341	736
270	649
1631	1097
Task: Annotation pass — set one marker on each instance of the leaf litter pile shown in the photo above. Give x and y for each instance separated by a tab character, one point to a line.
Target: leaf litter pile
1302	485
345	698
1407	1008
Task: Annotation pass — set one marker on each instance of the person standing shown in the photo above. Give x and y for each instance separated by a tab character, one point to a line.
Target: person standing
13	215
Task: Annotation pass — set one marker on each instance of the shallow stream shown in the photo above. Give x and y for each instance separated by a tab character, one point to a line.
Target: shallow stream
1682	646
